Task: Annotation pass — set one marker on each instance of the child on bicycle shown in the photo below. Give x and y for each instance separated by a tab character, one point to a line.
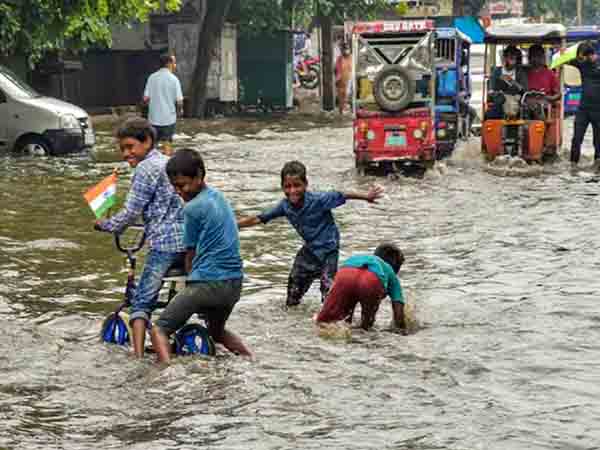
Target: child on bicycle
152	197
310	214
213	261
366	279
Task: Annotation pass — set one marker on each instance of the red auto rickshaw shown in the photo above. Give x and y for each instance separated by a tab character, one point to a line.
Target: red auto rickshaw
394	99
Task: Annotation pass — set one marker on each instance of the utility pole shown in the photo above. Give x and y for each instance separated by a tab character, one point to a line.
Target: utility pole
458	8
579	12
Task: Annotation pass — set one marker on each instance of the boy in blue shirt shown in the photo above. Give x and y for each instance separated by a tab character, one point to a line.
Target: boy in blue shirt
152	197
366	279
213	261
310	214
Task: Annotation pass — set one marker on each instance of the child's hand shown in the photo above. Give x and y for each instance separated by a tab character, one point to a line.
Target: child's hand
375	192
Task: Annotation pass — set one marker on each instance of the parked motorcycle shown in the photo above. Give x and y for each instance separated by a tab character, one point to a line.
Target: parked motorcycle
308	71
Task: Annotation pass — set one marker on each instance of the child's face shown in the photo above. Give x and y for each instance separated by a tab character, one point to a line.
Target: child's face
294	189
187	187
134	151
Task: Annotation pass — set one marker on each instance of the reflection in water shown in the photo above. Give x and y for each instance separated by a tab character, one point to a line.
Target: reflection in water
501	271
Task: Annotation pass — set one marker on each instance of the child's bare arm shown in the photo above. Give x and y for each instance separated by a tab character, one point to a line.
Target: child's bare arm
398	313
189	258
245	222
374	193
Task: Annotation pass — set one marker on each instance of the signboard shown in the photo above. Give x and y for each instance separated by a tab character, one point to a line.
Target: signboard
398	26
505	7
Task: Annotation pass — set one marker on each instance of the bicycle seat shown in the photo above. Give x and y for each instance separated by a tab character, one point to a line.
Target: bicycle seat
177	269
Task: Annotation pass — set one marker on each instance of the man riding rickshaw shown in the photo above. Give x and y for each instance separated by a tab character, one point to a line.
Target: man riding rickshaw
522	102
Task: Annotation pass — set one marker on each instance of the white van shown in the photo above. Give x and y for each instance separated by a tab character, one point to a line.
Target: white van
33	124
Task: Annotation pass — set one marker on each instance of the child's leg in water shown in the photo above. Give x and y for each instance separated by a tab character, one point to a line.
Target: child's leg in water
328	271
305	270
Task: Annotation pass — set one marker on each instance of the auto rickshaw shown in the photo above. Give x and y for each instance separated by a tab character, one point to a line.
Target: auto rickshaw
453	89
573	90
394	102
524	124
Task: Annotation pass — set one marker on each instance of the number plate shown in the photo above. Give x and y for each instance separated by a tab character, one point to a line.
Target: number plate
395	139
89	138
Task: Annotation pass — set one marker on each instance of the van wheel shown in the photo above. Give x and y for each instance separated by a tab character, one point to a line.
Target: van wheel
32	146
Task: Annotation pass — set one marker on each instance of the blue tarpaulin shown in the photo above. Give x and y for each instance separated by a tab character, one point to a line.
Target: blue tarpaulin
470	26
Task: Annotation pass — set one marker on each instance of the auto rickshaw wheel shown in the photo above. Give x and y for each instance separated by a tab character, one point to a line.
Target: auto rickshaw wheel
393	88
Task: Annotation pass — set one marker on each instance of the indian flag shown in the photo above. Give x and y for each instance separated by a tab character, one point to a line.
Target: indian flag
102	196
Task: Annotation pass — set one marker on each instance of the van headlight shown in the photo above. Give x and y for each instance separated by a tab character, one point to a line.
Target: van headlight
69	122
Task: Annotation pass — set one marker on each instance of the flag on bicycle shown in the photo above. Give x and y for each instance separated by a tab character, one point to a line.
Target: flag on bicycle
102	196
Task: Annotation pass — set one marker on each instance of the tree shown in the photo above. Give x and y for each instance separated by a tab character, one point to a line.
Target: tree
467	7
565	10
214	19
34	27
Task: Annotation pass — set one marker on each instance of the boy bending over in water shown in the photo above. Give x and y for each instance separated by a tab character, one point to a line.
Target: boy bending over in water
213	262
310	214
366	279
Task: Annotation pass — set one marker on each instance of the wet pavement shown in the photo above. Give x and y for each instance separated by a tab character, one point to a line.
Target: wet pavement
502	272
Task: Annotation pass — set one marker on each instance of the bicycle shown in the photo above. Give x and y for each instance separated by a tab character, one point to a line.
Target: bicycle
192	339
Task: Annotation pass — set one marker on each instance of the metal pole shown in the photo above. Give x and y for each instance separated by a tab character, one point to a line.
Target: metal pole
579	12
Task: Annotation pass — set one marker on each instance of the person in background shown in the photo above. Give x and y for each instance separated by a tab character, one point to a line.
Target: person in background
343	75
164	98
589	108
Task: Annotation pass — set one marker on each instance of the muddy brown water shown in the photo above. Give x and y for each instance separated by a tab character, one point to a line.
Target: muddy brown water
503	272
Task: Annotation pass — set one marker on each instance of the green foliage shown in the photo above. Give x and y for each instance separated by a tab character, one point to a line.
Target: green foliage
36	26
565	10
261	15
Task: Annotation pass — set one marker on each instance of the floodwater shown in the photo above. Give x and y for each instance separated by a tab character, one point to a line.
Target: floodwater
502	272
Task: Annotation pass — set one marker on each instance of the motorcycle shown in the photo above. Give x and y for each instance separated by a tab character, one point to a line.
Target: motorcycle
308	71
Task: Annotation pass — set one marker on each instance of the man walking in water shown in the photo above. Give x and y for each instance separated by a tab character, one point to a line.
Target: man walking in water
164	98
589	108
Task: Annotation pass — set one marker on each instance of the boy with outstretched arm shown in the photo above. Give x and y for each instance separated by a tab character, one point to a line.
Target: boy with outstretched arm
152	197
366	279
213	261
310	214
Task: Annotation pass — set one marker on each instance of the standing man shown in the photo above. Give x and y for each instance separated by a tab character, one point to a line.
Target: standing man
343	75
164	98
589	108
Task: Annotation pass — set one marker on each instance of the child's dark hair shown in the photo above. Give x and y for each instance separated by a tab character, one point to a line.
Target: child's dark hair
391	255
186	162
294	169
585	49
137	128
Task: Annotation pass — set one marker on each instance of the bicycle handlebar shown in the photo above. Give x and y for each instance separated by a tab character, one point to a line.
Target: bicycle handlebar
137	245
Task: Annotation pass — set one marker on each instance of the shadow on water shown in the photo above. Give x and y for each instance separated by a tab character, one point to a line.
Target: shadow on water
501	270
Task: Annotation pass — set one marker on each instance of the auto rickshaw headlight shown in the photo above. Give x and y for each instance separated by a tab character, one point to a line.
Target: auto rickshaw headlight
418	134
441	133
370	135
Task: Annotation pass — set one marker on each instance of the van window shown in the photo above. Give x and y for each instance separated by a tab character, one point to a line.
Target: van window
13	86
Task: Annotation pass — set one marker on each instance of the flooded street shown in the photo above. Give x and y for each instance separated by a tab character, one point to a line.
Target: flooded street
503	273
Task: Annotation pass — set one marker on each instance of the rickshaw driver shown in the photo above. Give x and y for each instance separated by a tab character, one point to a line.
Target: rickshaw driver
508	79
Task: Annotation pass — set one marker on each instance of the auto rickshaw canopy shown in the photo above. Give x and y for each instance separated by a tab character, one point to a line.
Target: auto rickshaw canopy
546	33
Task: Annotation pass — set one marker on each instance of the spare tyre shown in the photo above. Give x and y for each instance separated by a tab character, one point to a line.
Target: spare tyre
393	88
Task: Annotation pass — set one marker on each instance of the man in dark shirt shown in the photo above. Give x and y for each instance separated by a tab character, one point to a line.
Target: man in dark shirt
589	108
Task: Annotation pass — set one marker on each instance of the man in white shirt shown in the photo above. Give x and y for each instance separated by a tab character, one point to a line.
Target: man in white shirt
164	98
